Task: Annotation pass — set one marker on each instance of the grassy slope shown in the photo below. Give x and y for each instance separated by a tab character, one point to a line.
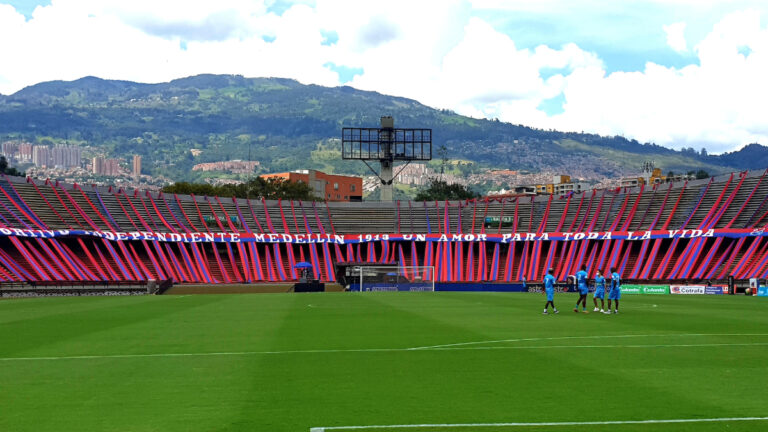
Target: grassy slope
294	391
630	160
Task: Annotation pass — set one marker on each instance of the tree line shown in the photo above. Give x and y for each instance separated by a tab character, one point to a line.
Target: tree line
272	188
5	169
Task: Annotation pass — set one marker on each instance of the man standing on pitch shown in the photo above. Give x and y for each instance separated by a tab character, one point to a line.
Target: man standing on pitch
549	290
581	284
615	293
599	292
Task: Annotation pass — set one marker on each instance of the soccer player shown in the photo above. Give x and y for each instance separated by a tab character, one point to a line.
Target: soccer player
599	292
549	290
581	284
615	293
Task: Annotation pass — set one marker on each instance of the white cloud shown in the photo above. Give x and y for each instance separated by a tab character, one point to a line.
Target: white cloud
718	104
432	51
676	36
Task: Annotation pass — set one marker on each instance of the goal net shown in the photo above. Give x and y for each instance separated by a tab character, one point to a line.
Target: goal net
392	278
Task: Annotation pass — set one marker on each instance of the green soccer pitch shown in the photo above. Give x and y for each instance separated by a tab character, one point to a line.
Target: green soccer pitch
347	361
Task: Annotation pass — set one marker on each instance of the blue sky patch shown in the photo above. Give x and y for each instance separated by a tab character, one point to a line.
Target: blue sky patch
279	7
330	37
553	106
745	51
345	73
268	38
618	60
624	42
547	72
26	7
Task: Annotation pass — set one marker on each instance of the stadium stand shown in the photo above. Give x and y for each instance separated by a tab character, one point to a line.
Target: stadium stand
694	230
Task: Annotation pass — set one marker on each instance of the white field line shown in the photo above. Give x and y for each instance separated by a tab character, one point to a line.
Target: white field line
588	423
479	348
367	350
583	337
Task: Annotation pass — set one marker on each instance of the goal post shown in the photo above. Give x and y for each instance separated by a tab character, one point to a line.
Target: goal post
392	278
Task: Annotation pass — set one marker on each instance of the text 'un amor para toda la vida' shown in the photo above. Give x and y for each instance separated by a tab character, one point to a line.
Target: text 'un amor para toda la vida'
245	237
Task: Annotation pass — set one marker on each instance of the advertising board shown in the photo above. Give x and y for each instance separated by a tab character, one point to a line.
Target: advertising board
644	289
658	289
631	289
688	289
754	284
715	289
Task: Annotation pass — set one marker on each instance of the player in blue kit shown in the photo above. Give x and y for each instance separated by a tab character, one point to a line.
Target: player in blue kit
599	292
549	291
615	293
581	285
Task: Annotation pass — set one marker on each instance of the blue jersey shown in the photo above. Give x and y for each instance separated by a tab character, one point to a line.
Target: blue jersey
599	283
581	280
549	282
615	293
615	281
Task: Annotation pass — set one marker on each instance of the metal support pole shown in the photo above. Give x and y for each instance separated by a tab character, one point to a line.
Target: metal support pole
387	125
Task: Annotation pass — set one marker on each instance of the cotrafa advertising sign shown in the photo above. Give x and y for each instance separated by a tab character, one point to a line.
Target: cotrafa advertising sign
688	289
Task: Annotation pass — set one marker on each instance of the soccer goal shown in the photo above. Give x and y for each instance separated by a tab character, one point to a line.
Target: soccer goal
392	278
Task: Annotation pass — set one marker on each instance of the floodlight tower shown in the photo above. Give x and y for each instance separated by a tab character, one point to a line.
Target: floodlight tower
386	145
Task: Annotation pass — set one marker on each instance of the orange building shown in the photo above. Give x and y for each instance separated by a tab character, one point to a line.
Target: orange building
329	187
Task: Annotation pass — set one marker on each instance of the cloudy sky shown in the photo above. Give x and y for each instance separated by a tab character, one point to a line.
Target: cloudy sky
680	73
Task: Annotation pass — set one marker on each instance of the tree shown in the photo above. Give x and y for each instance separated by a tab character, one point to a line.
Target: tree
701	174
273	188
440	190
703	152
186	188
4	169
278	188
442	151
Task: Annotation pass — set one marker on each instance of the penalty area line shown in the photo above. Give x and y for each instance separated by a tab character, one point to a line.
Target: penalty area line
586	423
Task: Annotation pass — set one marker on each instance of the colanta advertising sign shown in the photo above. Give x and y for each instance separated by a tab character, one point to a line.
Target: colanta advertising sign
645	289
659	289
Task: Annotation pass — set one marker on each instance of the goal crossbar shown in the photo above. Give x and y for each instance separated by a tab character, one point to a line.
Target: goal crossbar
393	278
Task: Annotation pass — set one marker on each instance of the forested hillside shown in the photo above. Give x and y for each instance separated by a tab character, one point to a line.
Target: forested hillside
287	125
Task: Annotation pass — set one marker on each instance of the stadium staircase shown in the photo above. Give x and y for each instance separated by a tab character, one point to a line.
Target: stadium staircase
44	202
24	194
168	211
13	210
738	214
635	221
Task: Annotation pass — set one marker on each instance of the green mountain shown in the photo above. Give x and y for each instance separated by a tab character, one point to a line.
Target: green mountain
287	125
